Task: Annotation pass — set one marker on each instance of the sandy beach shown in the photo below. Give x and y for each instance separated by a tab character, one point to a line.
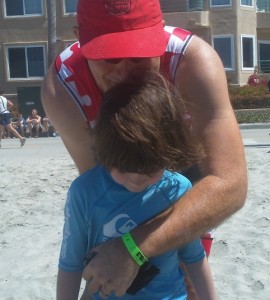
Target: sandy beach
33	185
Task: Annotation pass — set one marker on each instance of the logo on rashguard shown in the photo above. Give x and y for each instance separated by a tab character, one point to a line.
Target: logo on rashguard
119	225
117	7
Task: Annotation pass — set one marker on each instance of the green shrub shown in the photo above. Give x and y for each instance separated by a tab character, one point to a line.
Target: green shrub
241	102
247	90
249	97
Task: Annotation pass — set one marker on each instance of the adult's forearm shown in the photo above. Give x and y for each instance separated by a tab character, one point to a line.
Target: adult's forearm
205	206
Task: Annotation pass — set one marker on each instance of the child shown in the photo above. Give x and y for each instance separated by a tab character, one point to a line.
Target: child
19	124
137	137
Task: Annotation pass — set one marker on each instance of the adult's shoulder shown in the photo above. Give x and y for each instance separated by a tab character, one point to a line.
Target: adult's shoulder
51	83
3	98
201	67
199	49
51	88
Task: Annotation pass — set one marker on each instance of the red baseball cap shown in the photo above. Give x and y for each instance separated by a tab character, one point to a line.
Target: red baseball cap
120	28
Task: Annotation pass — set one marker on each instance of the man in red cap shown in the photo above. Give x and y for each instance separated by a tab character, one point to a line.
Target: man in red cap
116	38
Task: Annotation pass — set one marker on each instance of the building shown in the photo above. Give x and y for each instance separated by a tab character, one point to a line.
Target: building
239	30
24	47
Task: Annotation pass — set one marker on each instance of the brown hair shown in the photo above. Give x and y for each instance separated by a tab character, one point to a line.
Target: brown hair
141	129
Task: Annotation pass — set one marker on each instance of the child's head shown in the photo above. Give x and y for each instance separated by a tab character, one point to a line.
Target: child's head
140	128
34	112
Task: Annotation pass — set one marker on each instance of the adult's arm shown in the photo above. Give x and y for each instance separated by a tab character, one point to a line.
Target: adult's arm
9	104
68	121
68	285
38	119
222	191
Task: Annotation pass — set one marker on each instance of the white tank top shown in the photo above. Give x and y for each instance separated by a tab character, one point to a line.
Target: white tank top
3	105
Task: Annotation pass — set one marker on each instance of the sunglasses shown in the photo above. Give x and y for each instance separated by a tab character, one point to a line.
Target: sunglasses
116	61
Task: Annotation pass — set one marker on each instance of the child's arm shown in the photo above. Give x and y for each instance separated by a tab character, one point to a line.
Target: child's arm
68	285
202	280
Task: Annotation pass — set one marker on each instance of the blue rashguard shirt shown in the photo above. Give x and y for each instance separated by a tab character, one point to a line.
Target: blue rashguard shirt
98	209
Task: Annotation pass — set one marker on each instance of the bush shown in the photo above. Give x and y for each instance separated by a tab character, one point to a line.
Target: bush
241	102
249	97
247	90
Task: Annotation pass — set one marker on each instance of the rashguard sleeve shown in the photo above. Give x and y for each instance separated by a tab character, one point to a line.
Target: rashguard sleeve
74	243
191	252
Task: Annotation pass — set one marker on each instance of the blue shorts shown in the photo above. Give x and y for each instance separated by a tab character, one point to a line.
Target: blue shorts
5	119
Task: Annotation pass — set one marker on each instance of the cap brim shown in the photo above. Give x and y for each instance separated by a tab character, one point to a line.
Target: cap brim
146	42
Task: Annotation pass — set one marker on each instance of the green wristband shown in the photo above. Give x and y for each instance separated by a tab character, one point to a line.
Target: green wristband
133	249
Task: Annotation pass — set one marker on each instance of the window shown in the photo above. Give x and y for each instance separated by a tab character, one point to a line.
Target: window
221	3
195	5
168	6
26	62
246	2
223	44
248	52
70	6
23	7
264	56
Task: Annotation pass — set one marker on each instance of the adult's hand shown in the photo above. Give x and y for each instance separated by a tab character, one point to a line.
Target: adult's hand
111	270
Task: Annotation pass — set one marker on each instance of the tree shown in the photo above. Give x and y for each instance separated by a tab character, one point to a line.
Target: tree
51	14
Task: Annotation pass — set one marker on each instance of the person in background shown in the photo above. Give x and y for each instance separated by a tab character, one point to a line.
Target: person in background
6	132
48	127
116	39
255	79
5	122
34	123
19	124
130	185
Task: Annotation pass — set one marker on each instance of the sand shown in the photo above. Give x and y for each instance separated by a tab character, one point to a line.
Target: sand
33	185
240	258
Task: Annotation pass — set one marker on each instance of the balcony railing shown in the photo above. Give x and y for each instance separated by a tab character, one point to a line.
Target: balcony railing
195	5
168	6
264	66
199	5
263	5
